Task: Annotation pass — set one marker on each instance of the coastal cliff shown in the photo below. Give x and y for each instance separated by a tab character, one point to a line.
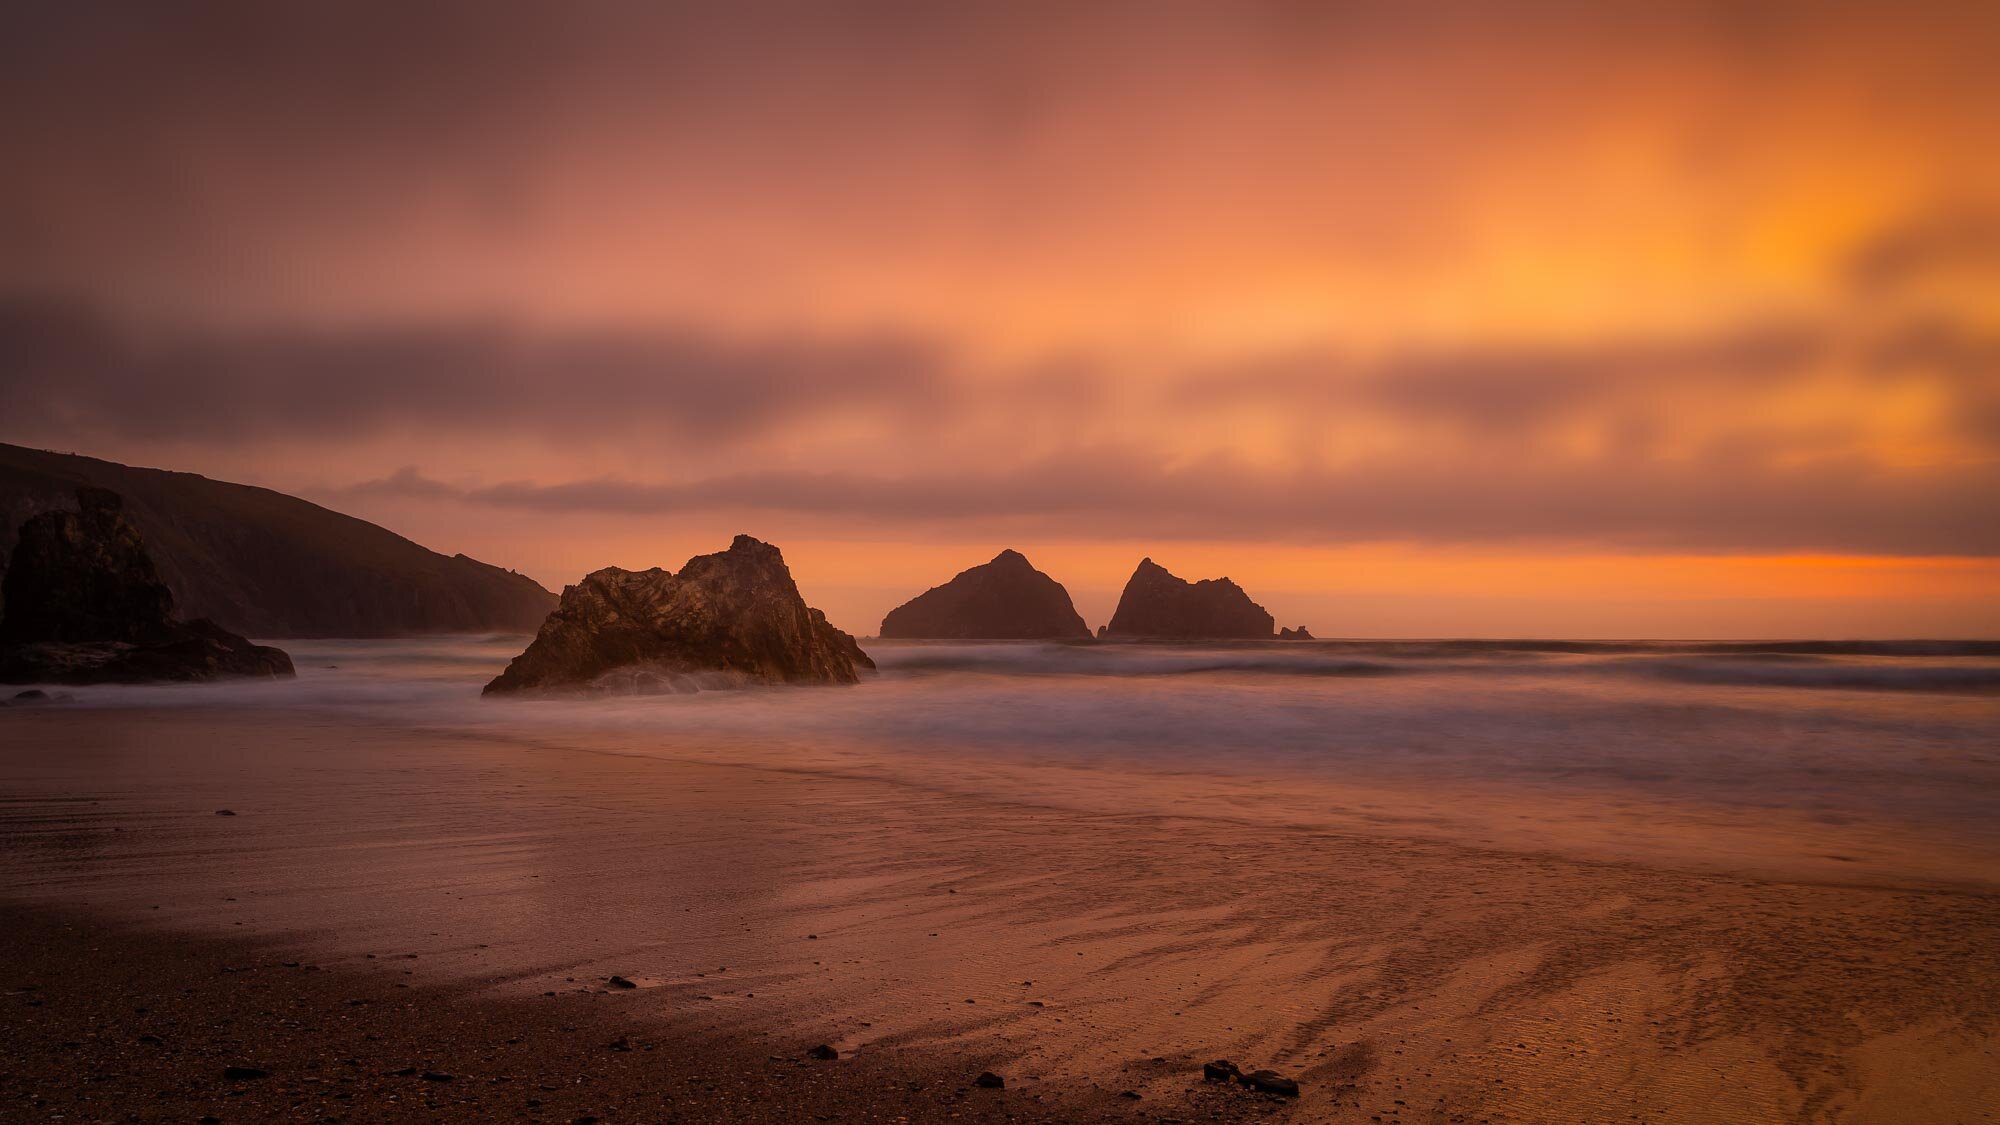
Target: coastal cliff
272	565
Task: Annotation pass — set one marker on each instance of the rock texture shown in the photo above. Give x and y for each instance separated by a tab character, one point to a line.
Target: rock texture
83	604
1157	604
1298	634
1006	599
272	565
725	620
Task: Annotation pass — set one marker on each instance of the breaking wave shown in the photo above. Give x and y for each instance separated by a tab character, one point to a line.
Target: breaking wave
1913	666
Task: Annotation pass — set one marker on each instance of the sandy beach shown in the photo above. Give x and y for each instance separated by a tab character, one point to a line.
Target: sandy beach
1091	932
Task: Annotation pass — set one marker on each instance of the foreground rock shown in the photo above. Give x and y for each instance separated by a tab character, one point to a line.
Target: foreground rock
84	605
1270	1082
1262	1081
1003	600
1157	604
725	620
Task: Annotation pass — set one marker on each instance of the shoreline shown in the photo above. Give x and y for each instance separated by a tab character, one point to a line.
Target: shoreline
944	929
105	1019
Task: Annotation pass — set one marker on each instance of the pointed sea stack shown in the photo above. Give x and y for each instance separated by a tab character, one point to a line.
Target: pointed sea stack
1003	600
85	605
1298	634
1157	604
725	620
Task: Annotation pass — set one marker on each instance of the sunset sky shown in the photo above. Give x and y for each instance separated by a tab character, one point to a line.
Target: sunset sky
1592	319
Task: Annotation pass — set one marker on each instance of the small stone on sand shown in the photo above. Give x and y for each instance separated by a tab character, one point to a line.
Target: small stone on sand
1270	1082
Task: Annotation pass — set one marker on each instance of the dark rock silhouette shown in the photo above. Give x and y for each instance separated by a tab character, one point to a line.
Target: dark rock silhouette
1006	599
83	604
1298	634
725	620
1270	1082
272	565
1157	604
36	697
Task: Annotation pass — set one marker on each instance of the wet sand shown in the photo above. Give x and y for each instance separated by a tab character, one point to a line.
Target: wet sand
1081	932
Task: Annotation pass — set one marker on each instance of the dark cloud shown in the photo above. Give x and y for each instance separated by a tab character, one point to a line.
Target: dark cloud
1744	485
71	369
1505	386
1838	506
1946	241
67	368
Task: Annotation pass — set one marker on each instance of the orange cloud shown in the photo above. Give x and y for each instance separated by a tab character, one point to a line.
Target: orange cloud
1638	284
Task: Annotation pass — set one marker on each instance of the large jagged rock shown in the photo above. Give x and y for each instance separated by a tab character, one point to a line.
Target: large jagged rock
726	620
1157	604
85	605
1006	599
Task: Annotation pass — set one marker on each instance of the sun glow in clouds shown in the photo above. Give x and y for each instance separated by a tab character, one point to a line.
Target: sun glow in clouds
1558	318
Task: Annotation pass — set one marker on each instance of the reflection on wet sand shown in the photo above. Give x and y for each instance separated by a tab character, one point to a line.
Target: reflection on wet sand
1082	921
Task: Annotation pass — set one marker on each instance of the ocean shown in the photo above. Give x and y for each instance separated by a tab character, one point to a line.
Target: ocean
1507	742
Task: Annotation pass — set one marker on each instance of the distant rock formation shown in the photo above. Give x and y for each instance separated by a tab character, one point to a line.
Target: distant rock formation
1006	599
1298	634
272	565
725	620
83	604
1157	604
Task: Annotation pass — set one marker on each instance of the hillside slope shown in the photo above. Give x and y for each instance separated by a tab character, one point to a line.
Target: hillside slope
270	565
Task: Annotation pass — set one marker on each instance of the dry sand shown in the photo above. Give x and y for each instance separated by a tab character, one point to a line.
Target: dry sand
1079	933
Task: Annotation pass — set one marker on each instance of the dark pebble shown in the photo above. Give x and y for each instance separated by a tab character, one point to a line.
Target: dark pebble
225	812
822	1052
621	982
1221	1070
244	1073
988	1080
437	1076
